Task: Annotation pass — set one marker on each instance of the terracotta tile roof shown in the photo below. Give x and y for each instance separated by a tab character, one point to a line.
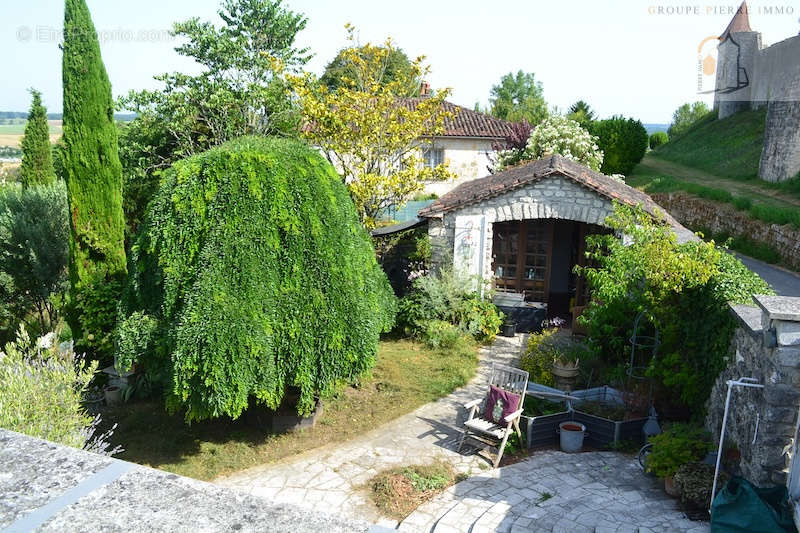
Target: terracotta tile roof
468	123
739	23
503	182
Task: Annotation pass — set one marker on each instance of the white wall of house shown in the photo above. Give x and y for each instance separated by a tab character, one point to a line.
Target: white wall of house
467	159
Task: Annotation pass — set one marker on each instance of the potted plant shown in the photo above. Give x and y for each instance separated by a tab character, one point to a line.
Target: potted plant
694	482
678	445
113	394
566	368
509	328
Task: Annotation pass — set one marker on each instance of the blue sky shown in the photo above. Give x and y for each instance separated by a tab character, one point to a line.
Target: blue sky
631	57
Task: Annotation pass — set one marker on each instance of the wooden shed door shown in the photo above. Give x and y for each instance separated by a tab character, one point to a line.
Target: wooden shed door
522	254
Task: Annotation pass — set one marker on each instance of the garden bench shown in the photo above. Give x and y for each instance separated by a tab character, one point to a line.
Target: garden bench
490	428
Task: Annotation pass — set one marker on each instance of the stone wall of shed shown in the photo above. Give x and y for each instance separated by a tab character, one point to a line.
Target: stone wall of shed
555	198
761	422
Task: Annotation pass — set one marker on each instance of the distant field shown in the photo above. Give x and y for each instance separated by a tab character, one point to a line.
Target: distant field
11	134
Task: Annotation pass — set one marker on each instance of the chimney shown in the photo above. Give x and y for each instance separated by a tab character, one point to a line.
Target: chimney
424	88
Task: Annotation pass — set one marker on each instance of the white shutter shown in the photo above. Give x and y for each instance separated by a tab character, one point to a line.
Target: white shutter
468	249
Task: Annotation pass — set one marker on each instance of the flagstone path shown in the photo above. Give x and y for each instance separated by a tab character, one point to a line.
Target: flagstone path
552	491
334	478
593	492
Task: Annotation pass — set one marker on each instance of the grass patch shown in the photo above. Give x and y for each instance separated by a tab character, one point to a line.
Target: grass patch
769	213
407	375
744	245
544	497
397	492
730	147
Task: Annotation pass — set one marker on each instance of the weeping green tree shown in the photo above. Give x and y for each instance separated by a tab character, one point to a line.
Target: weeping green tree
37	159
252	275
93	174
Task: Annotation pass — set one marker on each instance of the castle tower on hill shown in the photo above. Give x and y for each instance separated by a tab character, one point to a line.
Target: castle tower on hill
750	76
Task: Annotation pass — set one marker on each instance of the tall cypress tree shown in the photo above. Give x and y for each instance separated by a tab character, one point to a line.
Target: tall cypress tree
94	186
37	158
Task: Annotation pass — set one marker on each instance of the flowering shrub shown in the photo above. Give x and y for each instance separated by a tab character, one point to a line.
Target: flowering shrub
40	394
450	298
556	135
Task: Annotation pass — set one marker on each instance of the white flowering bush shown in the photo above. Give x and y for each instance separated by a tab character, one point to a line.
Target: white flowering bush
40	395
556	135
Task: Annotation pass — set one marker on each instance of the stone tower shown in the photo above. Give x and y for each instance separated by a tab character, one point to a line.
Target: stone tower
736	55
750	77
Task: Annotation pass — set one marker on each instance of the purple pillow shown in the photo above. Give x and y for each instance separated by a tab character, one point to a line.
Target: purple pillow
501	404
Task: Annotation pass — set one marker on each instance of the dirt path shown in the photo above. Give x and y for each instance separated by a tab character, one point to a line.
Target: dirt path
746	189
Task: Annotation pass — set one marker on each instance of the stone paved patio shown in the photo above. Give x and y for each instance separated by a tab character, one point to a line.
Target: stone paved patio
600	492
595	491
334	477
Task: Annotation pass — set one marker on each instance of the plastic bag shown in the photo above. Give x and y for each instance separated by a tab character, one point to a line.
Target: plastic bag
742	507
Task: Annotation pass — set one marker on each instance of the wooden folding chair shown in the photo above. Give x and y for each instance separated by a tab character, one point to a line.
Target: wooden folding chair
478	427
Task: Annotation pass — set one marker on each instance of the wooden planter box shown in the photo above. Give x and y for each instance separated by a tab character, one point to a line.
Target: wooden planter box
600	432
541	430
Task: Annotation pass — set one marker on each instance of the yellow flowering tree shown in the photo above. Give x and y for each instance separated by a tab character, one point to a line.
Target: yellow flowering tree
374	138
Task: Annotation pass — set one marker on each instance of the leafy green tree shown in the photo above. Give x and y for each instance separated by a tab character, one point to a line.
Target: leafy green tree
518	97
236	93
371	137
37	160
34	251
94	186
252	274
623	142
582	113
657	139
685	116
393	62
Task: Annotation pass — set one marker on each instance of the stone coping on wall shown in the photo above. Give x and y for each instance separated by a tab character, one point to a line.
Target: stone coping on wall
749	318
779	307
49	487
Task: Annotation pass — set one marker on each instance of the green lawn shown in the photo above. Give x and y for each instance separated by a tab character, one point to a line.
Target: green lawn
729	148
406	376
761	201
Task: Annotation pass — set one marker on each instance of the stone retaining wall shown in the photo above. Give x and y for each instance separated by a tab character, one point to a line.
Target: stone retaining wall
723	218
761	422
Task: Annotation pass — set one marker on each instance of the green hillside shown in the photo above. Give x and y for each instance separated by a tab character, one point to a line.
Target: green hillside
730	147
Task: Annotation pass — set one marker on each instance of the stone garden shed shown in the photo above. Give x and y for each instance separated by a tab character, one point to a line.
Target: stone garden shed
525	228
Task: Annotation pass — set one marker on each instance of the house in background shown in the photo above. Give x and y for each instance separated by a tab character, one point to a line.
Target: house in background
525	229
466	144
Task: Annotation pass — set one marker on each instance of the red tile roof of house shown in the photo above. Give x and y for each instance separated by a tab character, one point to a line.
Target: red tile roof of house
468	123
739	23
508	180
